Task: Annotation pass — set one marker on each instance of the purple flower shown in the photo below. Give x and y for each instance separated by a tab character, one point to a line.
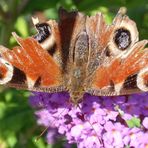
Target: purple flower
53	135
145	122
96	122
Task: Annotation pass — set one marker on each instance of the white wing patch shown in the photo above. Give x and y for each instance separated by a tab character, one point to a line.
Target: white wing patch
140	80
9	74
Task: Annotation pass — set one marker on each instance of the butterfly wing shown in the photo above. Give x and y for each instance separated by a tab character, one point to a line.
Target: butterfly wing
43	62
117	62
29	66
121	62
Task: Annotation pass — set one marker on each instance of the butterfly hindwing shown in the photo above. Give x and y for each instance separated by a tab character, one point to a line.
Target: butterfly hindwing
123	59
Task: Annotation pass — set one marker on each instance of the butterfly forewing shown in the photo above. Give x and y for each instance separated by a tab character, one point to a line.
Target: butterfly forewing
33	67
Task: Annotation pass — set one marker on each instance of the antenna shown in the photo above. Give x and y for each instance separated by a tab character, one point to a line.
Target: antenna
50	125
42	133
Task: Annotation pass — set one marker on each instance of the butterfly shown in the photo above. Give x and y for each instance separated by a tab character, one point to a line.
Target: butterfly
78	54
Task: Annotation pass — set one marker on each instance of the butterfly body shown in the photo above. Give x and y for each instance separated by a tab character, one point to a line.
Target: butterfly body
78	71
78	54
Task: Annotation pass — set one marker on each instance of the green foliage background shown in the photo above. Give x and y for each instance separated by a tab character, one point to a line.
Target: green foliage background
18	127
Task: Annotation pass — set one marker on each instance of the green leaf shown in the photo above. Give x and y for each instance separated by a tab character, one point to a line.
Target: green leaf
51	13
11	140
39	5
40	143
133	122
16	119
21	26
2	109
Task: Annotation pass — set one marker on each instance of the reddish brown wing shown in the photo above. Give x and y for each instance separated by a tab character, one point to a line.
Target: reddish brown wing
43	66
31	67
122	65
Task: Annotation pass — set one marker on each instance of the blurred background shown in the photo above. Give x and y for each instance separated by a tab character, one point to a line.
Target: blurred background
18	126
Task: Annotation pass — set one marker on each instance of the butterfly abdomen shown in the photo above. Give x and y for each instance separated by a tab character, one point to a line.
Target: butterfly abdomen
78	69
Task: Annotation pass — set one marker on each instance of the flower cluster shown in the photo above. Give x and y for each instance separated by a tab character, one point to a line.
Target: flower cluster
110	122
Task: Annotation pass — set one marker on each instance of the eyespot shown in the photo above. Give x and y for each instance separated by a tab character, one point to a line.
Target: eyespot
122	38
44	32
6	71
45	36
124	35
